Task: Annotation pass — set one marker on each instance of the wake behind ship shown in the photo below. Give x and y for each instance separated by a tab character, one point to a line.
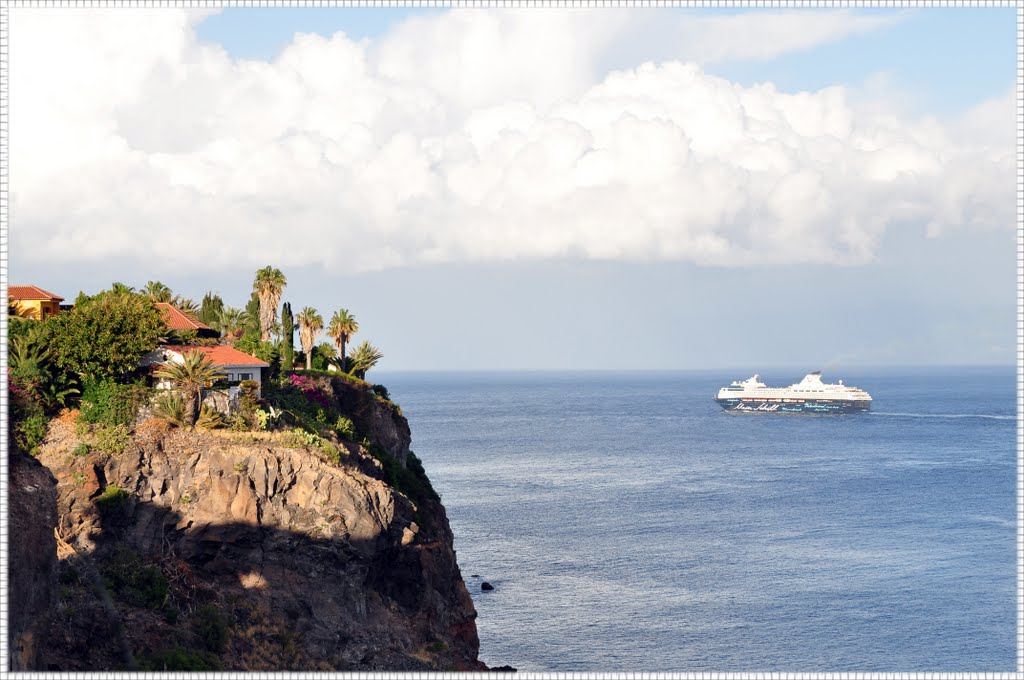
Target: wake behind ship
810	395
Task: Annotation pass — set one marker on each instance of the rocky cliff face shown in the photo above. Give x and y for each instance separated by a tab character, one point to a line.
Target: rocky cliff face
32	513
247	551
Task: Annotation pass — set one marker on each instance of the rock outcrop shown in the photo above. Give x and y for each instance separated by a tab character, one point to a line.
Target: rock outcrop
32	556
245	551
379	420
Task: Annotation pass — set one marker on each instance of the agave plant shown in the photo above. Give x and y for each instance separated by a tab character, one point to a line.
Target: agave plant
364	358
170	406
209	418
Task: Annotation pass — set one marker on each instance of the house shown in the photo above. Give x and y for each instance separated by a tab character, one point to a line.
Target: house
234	364
32	302
177	320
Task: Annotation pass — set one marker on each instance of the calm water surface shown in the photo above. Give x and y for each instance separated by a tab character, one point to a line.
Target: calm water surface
628	524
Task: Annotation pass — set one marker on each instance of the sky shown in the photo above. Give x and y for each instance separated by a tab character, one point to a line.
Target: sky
538	189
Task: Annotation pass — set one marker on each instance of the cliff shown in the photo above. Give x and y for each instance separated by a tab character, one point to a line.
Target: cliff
32	556
229	550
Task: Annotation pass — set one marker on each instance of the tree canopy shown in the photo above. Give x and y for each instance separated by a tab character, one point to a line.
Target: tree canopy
106	335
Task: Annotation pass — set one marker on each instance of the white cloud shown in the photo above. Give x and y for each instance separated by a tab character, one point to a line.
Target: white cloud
464	137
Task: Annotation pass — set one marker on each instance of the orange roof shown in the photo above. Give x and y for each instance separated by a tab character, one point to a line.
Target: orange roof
177	320
30	293
221	355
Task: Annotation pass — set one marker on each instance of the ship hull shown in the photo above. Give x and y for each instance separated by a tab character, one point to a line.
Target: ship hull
767	405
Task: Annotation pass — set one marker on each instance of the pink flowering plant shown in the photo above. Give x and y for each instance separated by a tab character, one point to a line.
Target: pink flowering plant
310	389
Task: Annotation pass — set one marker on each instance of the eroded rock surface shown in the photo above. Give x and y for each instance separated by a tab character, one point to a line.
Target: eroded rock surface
313	564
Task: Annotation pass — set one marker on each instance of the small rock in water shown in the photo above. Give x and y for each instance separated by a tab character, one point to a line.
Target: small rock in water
486	586
503	669
474	575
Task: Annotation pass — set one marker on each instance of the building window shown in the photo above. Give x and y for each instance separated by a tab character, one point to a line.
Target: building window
231	376
245	376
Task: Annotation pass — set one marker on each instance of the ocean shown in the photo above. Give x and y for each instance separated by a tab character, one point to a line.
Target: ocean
628	524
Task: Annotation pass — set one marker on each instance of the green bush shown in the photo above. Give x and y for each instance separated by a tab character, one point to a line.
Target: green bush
114	439
112	502
345	428
81	450
132	581
31	431
179	659
211	627
381	392
109	403
411	480
170	406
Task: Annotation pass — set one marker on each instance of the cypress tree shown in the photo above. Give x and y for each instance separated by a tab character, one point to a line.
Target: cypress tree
287	332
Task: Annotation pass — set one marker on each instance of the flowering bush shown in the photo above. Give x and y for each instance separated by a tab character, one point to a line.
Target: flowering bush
309	389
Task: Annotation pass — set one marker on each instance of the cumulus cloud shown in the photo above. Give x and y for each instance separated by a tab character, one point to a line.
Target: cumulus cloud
468	136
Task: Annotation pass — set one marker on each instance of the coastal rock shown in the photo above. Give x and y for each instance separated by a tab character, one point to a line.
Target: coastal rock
313	564
32	560
486	586
379	420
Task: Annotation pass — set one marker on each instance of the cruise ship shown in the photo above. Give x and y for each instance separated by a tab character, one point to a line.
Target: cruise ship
810	395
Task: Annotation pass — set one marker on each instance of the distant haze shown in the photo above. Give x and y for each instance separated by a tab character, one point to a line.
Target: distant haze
548	189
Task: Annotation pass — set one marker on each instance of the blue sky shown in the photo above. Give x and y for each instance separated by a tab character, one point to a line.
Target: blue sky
483	194
913	52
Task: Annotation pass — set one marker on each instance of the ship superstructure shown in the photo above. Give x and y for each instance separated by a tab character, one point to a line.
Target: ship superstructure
810	395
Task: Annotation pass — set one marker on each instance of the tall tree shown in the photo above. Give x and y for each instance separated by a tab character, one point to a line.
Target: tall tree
310	323
186	306
119	288
191	376
343	327
105	336
230	321
287	337
157	292
209	311
268	285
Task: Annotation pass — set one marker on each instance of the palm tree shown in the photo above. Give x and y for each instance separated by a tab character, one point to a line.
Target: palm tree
186	306
230	320
269	285
364	358
157	292
119	288
310	323
343	326
191	376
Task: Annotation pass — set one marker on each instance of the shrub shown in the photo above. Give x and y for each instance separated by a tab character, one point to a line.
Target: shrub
170	406
134	582
209	418
310	389
211	627
112	502
115	439
179	659
105	336
381	392
345	428
109	403
30	432
81	450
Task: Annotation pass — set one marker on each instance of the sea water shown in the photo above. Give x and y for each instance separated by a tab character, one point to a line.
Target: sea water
628	524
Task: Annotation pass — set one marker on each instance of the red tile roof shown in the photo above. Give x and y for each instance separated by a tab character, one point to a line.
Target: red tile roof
30	293
221	355
177	320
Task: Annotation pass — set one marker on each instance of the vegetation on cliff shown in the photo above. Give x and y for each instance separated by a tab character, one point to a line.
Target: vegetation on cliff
297	532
